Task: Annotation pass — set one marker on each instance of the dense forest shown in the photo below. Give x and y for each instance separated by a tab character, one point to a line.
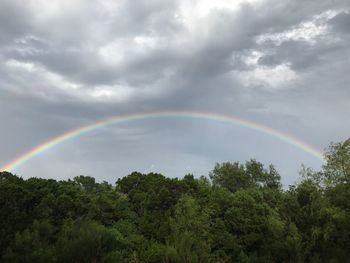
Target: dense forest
239	213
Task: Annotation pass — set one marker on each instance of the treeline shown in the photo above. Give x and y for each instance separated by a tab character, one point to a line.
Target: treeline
239	213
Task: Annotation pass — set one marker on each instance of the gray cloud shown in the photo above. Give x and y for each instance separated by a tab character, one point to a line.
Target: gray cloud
341	22
63	64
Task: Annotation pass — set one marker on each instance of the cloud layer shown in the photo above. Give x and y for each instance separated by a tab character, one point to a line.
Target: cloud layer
63	64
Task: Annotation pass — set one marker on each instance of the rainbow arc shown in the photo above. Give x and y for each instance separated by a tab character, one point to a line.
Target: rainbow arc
289	139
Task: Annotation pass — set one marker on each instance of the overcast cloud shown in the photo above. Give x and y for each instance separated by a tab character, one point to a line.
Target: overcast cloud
63	64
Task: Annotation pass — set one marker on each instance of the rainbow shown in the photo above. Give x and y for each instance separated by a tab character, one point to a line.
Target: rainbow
155	115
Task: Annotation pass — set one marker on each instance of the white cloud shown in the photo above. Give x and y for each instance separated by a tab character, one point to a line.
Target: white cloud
270	77
115	93
145	41
252	58
200	8
195	15
16	65
309	31
122	50
113	53
46	82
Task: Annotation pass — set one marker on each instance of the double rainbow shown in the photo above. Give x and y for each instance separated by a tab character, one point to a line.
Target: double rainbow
156	115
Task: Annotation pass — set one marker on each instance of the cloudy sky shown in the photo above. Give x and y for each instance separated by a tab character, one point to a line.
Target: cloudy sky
64	64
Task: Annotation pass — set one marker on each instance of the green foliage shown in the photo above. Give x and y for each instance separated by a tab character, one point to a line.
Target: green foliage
337	169
32	245
241	215
235	176
190	226
86	241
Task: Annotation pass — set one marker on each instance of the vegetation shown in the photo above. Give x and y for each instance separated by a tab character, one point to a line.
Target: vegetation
240	214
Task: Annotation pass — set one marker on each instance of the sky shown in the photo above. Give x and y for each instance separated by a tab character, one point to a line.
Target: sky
65	64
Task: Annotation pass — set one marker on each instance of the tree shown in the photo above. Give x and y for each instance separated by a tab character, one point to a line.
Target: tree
189	227
262	177
337	168
231	176
35	244
235	176
87	241
86	182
